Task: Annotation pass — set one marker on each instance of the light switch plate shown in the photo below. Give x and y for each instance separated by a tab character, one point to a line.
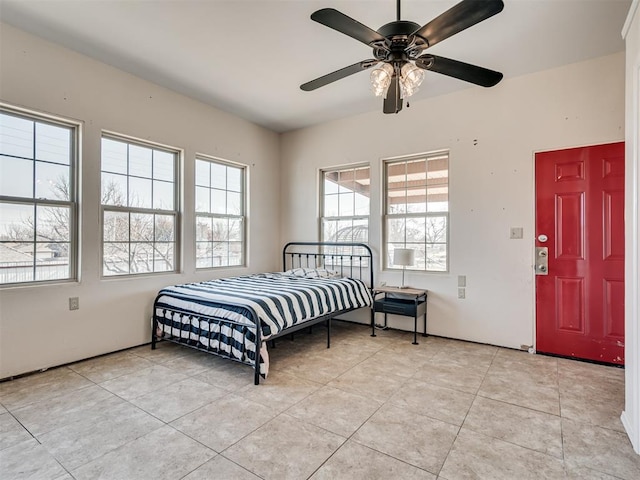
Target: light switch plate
516	233
462	280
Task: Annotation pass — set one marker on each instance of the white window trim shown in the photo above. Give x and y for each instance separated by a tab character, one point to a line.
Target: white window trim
386	216
74	185
176	212
321	198
243	212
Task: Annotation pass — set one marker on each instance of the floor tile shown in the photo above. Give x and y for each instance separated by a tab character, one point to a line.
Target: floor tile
600	449
11	432
513	356
279	391
386	362
584	473
588	371
478	457
314	367
357	462
29	460
164	454
84	404
223	422
416	354
415	439
464	378
178	399
595	397
335	410
530	391
219	468
435	401
164	351
229	375
525	427
194	362
40	387
106	367
360	380
78	443
469	348
400	405
285	448
143	381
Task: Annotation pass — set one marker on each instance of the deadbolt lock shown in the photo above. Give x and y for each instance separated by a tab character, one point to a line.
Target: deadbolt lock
542	261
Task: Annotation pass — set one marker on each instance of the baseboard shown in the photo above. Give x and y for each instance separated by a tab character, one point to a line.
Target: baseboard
633	435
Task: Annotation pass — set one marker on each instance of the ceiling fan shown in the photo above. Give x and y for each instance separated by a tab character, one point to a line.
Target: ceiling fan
399	47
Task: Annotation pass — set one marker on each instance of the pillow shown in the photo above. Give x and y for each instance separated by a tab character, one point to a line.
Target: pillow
313	273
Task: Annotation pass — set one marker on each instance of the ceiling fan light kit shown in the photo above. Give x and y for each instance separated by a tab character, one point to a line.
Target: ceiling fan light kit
398	50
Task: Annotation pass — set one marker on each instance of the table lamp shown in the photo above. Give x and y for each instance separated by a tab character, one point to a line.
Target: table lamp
404	257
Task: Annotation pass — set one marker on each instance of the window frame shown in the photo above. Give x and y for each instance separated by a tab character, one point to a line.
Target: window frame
176	213
244	172
433	155
321	206
75	128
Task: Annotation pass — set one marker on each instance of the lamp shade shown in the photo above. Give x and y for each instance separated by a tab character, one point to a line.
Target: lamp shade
404	257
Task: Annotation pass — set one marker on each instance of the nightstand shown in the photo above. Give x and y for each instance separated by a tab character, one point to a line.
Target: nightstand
409	302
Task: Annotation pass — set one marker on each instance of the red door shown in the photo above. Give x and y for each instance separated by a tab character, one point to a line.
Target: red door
580	295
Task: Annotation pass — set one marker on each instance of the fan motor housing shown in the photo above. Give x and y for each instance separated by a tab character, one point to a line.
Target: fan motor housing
399	27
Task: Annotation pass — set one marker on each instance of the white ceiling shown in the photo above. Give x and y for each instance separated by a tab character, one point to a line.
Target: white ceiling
250	57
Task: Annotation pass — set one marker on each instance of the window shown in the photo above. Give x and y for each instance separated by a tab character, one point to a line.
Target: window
38	203
417	209
345	205
139	207
220	207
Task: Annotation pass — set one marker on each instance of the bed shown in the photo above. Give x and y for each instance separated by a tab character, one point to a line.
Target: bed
235	317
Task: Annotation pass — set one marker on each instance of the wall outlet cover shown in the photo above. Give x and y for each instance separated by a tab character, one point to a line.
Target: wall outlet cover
74	303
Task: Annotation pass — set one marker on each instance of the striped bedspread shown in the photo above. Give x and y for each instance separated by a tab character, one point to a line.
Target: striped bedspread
278	300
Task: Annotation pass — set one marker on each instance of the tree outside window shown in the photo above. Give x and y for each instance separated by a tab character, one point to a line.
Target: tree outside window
139	208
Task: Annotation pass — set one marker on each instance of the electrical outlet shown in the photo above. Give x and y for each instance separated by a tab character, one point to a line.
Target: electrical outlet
74	303
462	280
461	293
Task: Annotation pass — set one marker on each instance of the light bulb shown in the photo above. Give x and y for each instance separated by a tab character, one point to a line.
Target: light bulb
381	79
410	79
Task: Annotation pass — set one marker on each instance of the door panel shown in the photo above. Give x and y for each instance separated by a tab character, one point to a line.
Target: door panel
580	208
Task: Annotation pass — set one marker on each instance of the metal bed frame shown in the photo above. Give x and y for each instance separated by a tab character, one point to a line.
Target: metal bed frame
340	257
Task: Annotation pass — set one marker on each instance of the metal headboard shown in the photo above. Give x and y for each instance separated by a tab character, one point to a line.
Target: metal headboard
349	259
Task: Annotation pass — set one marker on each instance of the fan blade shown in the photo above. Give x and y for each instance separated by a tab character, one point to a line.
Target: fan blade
460	70
337	75
459	17
393	102
339	21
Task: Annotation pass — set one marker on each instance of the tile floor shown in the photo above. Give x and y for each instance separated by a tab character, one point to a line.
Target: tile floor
368	408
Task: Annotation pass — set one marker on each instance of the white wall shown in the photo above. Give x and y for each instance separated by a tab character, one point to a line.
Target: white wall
492	135
36	328
631	414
